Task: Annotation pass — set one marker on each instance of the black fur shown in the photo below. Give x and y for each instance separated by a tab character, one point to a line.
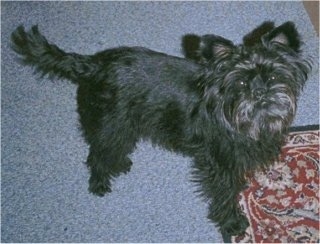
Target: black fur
254	37
203	48
230	113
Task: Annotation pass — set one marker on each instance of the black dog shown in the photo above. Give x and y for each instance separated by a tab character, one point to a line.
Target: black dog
230	114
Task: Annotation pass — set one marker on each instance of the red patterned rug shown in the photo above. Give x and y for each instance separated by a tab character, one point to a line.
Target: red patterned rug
282	204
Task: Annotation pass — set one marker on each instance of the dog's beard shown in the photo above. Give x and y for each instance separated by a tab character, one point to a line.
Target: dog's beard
270	114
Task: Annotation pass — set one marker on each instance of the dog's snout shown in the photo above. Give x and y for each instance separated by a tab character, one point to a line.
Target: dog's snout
258	87
259	92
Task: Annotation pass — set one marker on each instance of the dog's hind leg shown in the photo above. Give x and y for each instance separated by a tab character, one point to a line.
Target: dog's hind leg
104	166
108	160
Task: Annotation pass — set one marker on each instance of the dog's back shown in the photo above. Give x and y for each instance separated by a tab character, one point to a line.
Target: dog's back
127	62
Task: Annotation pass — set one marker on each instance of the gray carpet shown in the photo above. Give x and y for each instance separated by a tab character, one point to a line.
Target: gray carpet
44	194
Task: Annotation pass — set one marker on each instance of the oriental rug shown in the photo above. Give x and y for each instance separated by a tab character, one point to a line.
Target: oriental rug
282	203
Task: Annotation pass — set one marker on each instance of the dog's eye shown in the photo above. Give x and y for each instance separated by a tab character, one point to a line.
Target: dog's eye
242	83
273	78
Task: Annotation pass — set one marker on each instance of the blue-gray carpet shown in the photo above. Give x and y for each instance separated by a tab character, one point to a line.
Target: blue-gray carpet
44	195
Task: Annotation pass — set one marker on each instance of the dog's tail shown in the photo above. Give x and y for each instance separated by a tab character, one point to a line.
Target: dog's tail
47	58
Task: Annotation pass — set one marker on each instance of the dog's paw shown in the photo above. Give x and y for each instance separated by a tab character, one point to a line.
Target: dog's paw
125	166
98	188
236	226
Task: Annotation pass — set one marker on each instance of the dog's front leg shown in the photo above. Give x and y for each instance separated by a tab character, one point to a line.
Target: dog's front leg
224	210
221	188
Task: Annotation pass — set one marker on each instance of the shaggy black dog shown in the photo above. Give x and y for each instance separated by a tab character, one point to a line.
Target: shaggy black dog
230	113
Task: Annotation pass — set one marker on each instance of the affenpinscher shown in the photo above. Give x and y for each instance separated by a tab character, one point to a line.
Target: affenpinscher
230	114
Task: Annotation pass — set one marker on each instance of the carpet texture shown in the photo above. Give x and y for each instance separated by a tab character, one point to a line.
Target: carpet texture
44	195
282	203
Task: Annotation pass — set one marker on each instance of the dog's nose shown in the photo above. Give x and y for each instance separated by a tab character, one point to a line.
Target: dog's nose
259	92
258	87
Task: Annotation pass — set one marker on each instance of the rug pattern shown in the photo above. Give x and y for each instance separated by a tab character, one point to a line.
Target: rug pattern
282	203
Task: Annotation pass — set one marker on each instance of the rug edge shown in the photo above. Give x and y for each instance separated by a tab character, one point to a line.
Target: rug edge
304	128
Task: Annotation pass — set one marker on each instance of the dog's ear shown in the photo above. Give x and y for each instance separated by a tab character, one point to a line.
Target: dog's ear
254	37
286	34
205	48
213	46
191	46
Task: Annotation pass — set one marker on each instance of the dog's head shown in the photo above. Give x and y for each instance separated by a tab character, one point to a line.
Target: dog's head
253	89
